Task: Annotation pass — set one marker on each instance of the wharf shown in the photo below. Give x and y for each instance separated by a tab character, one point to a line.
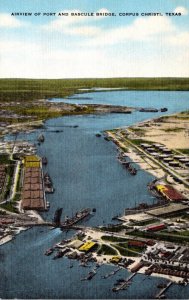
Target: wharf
33	194
161	293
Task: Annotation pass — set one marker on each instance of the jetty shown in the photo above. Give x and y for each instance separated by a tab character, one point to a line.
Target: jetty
160	294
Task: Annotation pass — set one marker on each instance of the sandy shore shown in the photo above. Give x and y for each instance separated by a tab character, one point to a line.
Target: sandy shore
172	131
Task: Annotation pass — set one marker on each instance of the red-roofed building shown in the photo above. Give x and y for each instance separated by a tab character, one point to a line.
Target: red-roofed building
156	227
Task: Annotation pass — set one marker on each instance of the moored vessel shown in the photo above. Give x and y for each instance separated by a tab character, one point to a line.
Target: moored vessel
80	215
41	138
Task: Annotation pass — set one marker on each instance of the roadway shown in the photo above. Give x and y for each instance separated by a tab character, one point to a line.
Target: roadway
165	168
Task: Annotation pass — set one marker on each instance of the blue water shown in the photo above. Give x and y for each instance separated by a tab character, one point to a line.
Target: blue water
85	173
173	100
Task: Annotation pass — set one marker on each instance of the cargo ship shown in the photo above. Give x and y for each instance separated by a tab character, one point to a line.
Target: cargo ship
76	218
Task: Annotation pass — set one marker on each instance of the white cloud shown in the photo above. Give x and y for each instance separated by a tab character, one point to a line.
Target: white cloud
73	24
179	39
61	21
142	29
151	46
85	31
9	21
181	9
30	60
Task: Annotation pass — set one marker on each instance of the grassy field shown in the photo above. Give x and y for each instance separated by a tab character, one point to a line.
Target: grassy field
33	89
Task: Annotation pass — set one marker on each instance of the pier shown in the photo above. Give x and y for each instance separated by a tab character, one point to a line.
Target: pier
163	290
125	283
111	273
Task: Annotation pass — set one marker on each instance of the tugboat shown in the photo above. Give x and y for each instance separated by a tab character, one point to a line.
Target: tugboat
41	138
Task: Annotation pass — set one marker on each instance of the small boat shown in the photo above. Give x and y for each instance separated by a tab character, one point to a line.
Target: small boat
44	160
91	275
161	286
48	204
164	109
120	280
41	138
133	171
114	218
49	251
98	135
58	255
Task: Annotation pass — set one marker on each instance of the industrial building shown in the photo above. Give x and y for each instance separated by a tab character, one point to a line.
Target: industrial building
33	196
87	246
170	193
156	227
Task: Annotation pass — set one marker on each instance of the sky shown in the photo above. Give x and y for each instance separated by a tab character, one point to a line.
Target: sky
127	44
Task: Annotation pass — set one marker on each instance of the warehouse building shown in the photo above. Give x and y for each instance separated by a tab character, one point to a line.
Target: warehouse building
170	193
